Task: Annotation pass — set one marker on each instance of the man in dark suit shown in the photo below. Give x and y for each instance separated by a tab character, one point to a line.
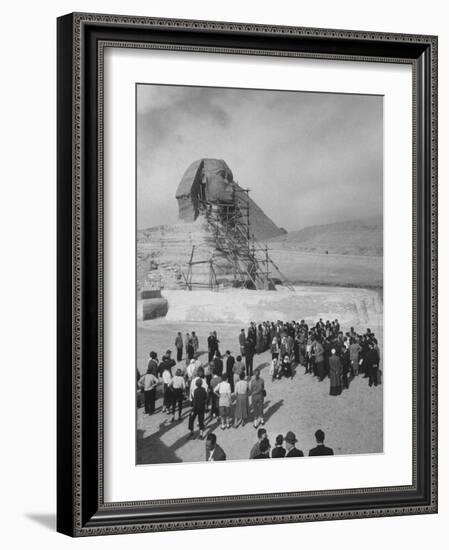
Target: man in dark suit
230	361
218	363
213	451
249	355
320	449
211	346
198	407
290	442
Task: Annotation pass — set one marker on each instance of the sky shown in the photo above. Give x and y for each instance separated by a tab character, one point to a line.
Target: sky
308	158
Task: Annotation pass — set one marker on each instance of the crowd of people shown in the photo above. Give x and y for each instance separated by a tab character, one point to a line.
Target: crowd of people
285	447
323	350
232	391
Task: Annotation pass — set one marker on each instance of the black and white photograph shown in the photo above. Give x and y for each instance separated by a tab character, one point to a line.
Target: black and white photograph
259	280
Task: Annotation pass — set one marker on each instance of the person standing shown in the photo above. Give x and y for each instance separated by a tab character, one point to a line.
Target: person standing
249	356
259	340
199	376
217	342
319	359
335	371
189	348
214	452
178	386
290	446
242	341
354	356
198	407
278	451
372	362
148	383
166	379
195	342
211	346
229	369
320	449
242	403
237	369
178	346
257	391
218	363
223	390
153	363
215	380
191	372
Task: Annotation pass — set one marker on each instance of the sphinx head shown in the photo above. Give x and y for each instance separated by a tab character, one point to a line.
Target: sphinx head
206	181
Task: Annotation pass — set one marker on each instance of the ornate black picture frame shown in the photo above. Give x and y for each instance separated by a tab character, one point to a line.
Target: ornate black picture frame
81	510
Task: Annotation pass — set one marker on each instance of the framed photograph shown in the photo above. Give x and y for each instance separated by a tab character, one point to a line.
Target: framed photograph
247	269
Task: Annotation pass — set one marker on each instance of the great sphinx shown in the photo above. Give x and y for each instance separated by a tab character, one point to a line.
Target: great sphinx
210	182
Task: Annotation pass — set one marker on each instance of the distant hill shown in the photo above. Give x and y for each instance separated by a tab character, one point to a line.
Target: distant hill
358	237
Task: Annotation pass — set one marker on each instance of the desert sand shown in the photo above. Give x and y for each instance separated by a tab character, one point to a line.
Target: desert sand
352	421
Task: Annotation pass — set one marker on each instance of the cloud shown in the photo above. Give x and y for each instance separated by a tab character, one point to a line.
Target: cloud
307	157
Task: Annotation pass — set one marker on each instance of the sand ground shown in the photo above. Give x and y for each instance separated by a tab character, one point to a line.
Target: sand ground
352	421
329	269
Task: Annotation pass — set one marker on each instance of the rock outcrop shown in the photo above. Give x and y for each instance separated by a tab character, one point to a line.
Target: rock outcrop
164	252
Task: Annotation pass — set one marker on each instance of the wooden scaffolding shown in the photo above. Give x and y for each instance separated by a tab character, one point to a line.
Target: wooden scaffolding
230	224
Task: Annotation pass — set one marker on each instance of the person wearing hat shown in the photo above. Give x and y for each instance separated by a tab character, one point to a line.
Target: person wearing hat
198	407
278	451
264	449
320	449
290	441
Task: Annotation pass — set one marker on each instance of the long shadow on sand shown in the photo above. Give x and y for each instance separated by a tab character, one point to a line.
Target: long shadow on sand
272	409
151	450
261	366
